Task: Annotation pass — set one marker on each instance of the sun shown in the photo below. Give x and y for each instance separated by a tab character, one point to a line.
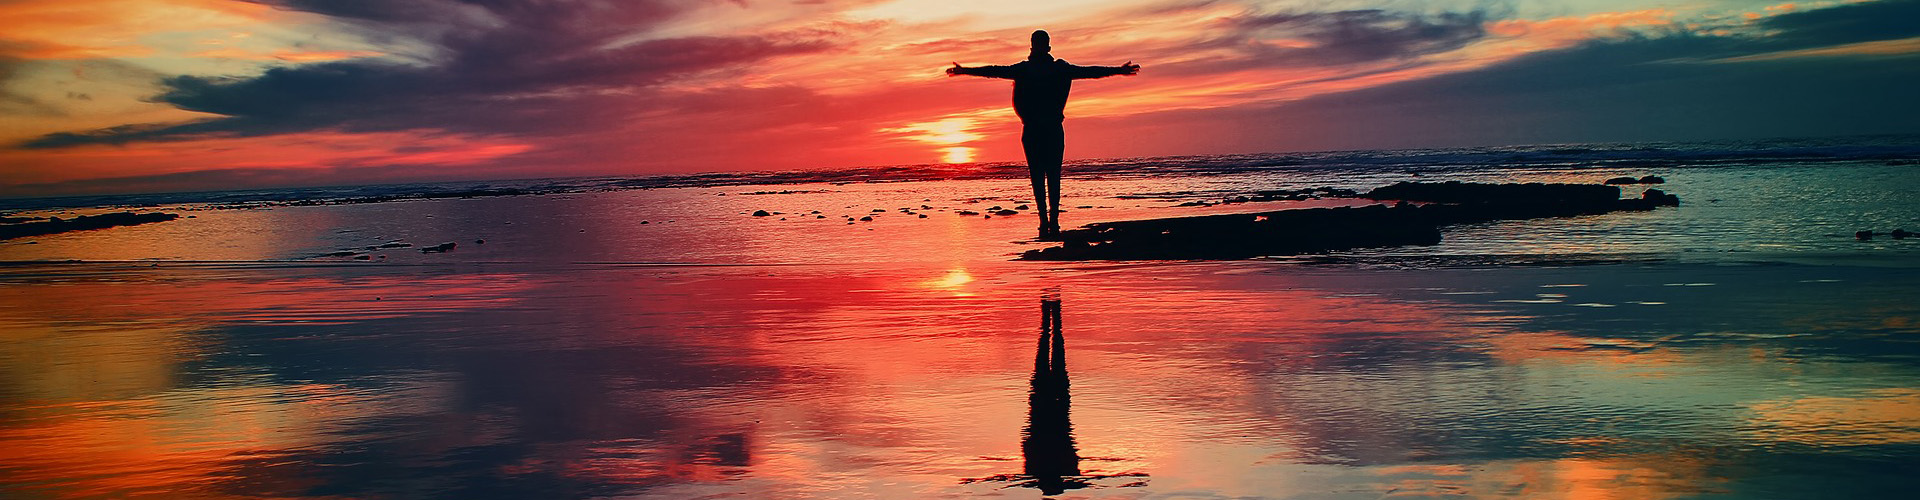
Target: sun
957	155
949	132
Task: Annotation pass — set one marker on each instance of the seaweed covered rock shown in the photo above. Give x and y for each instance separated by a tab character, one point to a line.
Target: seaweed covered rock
1240	236
52	225
1419	212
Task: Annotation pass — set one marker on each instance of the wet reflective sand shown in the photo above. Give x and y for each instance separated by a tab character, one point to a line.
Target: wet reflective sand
1195	380
668	344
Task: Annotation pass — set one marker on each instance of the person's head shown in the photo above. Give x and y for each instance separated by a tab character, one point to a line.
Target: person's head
1042	46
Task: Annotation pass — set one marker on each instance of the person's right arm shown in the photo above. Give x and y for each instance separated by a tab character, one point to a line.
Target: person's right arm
986	71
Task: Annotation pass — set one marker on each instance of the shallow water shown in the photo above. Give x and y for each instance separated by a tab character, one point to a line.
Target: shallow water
1773	212
1207	380
666	343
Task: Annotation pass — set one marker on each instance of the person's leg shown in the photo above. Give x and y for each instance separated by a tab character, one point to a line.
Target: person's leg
1035	143
1053	177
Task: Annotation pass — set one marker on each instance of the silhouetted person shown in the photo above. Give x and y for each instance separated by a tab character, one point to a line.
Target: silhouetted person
1051	459
1040	86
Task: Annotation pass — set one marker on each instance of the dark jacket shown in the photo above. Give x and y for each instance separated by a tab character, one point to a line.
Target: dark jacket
1040	88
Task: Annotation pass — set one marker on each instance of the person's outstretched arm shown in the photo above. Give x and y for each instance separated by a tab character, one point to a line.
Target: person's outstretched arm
1006	72
1081	72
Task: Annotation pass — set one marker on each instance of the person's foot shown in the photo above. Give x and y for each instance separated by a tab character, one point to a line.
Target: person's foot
1049	231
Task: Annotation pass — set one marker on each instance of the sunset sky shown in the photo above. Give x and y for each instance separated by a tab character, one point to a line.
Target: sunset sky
107	96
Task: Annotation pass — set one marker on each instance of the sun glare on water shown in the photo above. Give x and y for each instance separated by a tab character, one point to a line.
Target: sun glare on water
957	154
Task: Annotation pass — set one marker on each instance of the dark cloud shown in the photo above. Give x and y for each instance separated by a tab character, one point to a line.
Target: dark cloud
1637	89
1356	36
504	67
1850	23
1326	39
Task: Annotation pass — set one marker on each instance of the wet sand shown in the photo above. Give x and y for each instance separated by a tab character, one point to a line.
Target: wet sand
1192	380
580	353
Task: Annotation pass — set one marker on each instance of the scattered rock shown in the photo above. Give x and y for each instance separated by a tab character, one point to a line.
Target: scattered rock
967	212
396	244
1652	179
1863	235
343	253
1021	207
1623	180
441	248
363	257
1660	198
479	242
1004	213
923	216
1901	234
866	219
761	213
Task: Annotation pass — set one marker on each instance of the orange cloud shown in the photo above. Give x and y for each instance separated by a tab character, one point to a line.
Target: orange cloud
58	29
1566	31
304	151
288	55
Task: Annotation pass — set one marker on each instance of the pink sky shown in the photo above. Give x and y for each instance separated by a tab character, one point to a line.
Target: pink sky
172	95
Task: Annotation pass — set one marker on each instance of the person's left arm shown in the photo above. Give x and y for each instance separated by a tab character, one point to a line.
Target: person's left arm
1083	72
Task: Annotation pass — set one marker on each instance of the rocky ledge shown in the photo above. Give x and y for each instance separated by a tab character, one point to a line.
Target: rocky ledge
52	225
1416	216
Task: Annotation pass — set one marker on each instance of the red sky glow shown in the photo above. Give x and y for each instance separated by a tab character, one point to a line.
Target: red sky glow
176	95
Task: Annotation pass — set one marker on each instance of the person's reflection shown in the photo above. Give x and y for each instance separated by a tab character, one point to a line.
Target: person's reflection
1047	443
1052	460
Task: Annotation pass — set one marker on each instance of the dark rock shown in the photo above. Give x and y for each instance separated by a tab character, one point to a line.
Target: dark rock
440	248
1004	213
761	213
343	253
1623	180
923	216
1292	232
1863	235
479	242
1021	207
363	257
396	245
1901	234
866	219
967	212
53	225
1660	198
1652	179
